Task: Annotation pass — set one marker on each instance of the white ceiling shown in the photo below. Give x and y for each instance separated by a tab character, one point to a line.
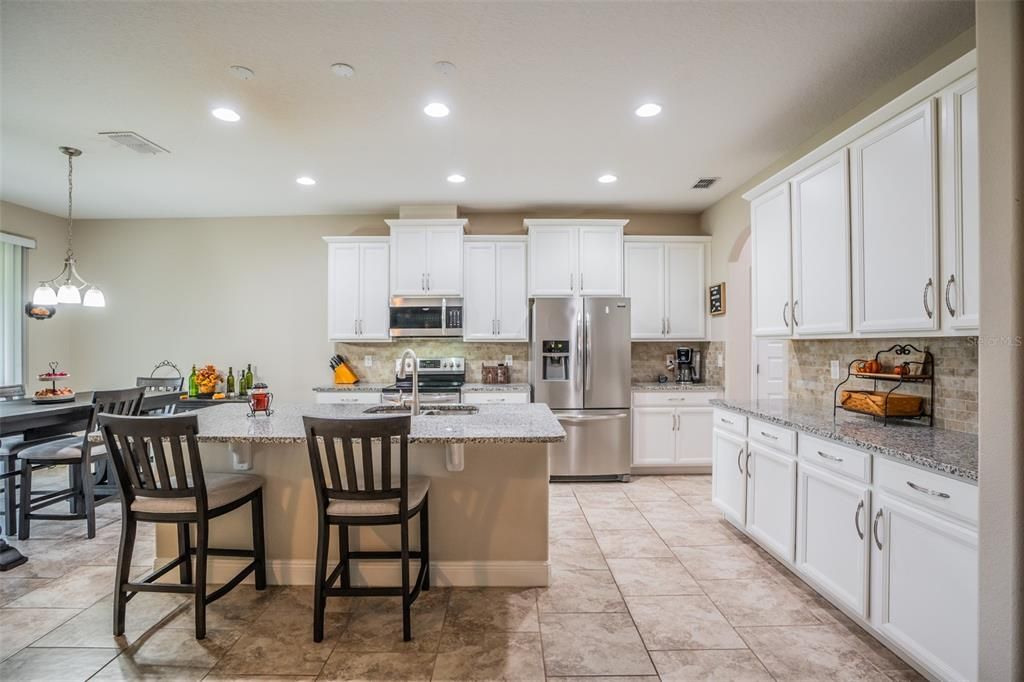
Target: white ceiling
541	101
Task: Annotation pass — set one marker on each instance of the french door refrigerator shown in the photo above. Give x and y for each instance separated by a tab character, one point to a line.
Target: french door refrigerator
580	367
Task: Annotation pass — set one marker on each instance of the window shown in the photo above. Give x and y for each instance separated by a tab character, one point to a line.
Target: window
12	316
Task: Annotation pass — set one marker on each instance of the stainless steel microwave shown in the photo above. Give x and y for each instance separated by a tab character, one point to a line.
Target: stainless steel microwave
426	317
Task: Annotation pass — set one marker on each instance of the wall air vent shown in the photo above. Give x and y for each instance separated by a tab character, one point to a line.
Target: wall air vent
705	183
135	142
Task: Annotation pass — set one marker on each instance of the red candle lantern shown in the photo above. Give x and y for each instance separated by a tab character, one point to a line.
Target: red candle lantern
260	400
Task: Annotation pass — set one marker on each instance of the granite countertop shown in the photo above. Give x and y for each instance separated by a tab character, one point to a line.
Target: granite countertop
950	453
528	423
495	388
673	386
361	386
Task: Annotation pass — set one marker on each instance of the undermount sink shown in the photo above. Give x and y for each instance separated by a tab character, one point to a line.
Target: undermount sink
425	410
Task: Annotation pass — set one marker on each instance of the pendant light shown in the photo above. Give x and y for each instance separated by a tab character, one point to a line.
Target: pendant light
68	291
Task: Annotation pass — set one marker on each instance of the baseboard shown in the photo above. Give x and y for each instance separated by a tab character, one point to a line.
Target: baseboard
382	573
671	469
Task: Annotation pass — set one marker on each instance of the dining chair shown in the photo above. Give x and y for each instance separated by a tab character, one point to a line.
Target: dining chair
161	480
169	384
78	453
363	492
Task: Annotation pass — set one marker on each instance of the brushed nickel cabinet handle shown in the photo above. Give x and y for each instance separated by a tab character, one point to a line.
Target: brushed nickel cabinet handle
949	306
726	421
768	435
831	458
785	317
856	519
924	298
747	463
874	529
739	459
571	282
668	325
581	282
796	323
928	491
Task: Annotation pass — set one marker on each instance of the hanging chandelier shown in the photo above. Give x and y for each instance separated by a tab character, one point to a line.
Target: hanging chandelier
68	291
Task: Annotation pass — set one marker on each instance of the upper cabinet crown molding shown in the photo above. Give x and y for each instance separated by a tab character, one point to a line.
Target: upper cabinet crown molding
348	239
574	222
426	222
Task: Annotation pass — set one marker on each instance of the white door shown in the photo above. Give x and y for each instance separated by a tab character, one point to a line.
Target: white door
771	499
479	318
832	519
895	241
553	261
693	435
685	291
600	261
645	287
408	261
821	248
342	291
927	600
512	308
654	436
728	476
960	212
374	313
444	261
770	263
771	369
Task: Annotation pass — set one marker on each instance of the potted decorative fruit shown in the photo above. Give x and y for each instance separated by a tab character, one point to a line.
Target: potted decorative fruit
207	379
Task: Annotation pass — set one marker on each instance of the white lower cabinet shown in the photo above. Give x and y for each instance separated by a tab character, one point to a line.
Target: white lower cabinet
347	397
496	397
771	490
833	516
728	477
672	429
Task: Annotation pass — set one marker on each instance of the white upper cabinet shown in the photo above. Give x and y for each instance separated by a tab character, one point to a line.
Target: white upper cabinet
895	230
495	304
958	146
575	257
426	257
357	289
665	283
821	248
770	263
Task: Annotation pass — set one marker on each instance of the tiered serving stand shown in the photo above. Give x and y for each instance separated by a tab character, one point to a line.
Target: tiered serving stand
915	372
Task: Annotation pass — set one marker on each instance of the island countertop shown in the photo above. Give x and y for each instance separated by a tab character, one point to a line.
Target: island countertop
528	423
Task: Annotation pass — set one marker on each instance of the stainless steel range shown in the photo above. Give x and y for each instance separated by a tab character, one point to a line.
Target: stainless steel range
440	381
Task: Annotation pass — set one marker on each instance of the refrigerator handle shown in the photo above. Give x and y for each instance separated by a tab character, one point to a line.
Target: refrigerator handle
579	348
587	359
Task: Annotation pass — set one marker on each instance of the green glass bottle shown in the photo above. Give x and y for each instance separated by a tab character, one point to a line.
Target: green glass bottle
248	377
193	387
231	381
242	390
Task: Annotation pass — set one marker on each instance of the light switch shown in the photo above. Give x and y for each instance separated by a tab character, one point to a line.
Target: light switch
367	361
720	361
508	360
835	369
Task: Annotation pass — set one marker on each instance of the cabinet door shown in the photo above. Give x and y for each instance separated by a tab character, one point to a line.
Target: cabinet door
832	519
685	268
960	212
771	499
728	477
894	224
600	257
374	317
444	261
511	303
342	291
645	287
479	319
654	436
693	435
553	261
408	261
770	266
927	590
821	248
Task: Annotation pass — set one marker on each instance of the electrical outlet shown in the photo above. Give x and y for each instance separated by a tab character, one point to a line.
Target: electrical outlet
508	360
367	361
670	360
720	361
835	369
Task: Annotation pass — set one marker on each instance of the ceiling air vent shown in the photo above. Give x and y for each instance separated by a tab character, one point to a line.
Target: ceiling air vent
705	183
135	142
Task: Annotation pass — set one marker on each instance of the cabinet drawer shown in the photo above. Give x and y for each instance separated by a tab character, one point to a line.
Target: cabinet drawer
782	439
347	397
674	398
834	457
510	397
730	421
955	498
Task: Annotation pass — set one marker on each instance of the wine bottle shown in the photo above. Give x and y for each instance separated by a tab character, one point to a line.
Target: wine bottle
231	382
242	389
193	387
248	377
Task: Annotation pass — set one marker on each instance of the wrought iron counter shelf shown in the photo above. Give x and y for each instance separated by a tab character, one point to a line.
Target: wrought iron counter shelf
888	404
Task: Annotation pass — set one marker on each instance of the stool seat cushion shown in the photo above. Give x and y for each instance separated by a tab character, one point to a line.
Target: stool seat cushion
53	451
221	489
75	451
418	487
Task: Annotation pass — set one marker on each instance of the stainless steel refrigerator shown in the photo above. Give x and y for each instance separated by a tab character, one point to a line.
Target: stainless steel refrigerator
580	367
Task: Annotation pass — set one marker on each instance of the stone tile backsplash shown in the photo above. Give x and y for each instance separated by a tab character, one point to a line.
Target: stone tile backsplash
649	359
385	354
956	373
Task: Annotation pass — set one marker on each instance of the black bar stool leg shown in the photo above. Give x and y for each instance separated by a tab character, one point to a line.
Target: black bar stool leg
425	542
25	504
320	580
10	495
202	545
184	545
88	497
346	573
123	573
406	603
259	548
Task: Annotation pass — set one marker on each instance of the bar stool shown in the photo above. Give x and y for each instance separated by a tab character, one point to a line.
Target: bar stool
365	494
162	487
78	453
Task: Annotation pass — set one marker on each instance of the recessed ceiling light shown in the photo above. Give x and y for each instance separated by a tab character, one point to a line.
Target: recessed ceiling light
436	110
456	178
648	110
305	180
607	178
229	115
342	70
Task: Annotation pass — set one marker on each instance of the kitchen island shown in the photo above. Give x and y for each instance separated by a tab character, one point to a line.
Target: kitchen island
488	493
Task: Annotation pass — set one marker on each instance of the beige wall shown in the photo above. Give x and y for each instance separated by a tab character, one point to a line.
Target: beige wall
47	340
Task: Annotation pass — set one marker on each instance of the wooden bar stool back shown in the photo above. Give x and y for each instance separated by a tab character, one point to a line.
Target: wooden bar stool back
363	490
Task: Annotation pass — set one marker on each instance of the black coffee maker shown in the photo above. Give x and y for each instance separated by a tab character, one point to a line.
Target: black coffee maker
688	366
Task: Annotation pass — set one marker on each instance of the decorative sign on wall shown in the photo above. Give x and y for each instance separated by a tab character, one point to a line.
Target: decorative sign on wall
716	299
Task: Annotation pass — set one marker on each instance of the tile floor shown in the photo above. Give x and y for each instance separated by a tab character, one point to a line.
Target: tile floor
647	581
